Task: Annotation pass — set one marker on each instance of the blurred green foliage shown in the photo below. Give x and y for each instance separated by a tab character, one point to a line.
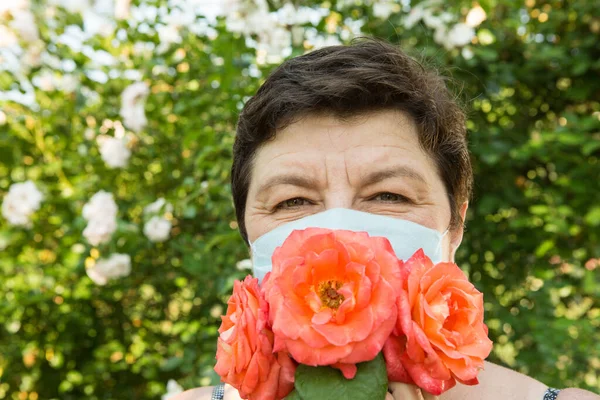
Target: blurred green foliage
530	80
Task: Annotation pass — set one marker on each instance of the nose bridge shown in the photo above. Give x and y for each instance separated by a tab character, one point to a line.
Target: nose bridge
339	192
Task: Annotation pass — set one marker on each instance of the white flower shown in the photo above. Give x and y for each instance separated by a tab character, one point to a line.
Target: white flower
101	213
133	100
173	388
89	134
157	229
22	200
114	151
72	37
95	23
45	80
432	21
244	264
122	9
144	13
99	231
24	24
286	15
460	35
116	266
210	9
250	17
101	206
72	6
440	36
182	15
383	9
33	55
69	83
290	15
100	58
274	45
297	35
216	311
168	34
476	16
319	41
310	14
104	7
414	16
157	206
13	5
7	37
467	53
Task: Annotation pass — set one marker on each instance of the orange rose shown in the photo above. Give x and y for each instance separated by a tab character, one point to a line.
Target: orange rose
245	358
332	297
440	336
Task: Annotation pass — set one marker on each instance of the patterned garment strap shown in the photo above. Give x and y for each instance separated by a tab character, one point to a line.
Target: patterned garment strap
219	392
551	394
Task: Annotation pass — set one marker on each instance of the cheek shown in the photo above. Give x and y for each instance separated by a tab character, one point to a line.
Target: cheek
432	214
259	223
255	226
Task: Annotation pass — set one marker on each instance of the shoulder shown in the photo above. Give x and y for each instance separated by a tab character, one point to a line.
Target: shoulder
200	393
498	383
577	394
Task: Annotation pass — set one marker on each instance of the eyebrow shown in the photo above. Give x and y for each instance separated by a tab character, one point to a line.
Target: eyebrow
292	180
395	172
370	179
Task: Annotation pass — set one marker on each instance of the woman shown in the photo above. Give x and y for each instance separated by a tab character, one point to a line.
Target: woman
361	127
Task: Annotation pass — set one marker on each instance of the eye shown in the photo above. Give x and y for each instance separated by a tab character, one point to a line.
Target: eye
388	197
292	203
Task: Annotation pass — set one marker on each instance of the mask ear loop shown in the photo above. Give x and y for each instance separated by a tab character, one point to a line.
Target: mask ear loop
439	245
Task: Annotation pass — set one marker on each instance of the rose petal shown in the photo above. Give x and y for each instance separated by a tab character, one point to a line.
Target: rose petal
324	266
308	355
423	379
322	317
392	352
348	370
370	347
356	327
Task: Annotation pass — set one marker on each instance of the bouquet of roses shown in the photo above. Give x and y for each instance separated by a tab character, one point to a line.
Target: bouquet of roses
341	315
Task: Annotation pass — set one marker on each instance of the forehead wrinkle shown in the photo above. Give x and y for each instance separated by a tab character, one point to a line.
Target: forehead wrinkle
385	165
299	172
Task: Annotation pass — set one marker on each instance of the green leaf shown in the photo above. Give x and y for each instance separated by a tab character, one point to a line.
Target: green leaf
190	211
293	396
544	247
171	363
539	209
592	218
316	383
589	147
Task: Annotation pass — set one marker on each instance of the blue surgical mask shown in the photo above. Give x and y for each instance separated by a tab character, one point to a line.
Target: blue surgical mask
406	237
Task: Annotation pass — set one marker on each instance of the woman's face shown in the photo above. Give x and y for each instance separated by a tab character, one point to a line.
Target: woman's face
373	165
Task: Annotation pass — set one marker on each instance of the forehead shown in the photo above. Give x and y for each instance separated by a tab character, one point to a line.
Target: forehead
362	143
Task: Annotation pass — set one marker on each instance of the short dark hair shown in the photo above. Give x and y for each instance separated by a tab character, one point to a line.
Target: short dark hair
345	81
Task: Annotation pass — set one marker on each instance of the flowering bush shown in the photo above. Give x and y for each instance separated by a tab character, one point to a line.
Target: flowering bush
118	239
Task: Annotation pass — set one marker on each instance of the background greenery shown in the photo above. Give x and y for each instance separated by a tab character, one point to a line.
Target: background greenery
529	76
